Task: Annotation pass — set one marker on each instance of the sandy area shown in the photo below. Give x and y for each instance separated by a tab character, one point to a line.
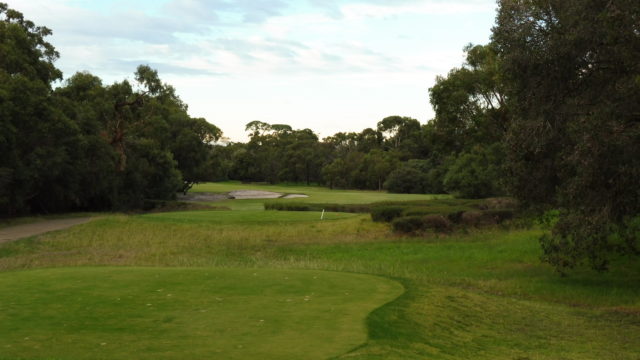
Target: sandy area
26	230
238	194
254	194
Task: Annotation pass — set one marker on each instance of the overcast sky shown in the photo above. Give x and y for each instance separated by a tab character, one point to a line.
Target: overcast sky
327	65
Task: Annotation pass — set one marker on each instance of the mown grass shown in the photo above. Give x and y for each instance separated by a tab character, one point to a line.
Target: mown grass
177	313
477	295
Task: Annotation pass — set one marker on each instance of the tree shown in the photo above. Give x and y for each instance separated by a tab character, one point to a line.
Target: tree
36	140
573	77
475	174
470	102
191	145
400	135
409	178
85	146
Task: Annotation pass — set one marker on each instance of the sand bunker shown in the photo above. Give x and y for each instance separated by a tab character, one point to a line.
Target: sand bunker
254	194
295	196
238	194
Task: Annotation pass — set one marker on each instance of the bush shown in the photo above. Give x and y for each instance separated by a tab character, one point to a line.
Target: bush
475	174
288	206
299	206
437	223
420	211
549	219
406	180
386	213
500	203
499	216
350	208
408	224
477	218
455	217
413	224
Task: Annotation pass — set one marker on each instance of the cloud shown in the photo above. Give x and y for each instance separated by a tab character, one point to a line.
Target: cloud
331	65
164	68
379	9
354	9
248	11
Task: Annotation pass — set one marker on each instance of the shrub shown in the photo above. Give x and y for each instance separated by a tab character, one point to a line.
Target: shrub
287	206
475	174
476	218
499	216
386	213
455	217
549	219
299	206
500	203
437	223
420	211
408	224
350	208
407	180
412	224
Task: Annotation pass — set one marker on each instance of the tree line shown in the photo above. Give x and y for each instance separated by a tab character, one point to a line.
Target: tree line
459	152
548	112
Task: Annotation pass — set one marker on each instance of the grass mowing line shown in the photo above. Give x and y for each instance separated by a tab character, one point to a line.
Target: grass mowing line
178	313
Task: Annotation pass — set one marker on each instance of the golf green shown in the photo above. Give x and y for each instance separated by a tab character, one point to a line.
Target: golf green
178	313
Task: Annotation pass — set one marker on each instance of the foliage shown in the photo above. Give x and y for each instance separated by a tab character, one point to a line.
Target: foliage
86	146
407	224
299	206
386	213
415	224
572	73
475	174
408	179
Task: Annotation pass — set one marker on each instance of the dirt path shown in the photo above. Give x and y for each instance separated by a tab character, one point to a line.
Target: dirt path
26	230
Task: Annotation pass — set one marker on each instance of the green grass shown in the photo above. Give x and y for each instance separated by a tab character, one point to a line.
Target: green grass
477	295
173	313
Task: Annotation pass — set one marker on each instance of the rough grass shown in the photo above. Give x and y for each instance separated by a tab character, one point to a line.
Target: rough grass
174	313
481	295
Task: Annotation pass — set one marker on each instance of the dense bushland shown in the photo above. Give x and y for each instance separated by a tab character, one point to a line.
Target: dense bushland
85	145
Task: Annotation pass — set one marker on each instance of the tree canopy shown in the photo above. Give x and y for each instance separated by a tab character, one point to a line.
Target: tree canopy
84	145
572	73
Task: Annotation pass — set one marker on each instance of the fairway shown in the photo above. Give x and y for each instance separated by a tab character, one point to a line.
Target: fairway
174	313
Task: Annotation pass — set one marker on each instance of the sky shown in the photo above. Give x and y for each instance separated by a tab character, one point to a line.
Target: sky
326	65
